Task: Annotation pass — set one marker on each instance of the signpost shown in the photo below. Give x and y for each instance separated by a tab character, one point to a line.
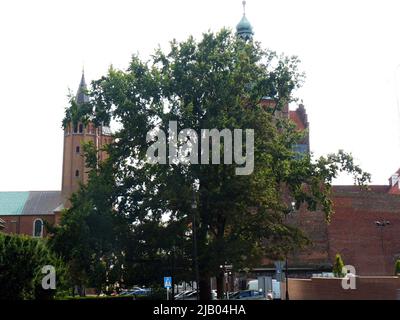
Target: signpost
167	285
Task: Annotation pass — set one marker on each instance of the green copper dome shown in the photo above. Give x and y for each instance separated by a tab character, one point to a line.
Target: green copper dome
244	28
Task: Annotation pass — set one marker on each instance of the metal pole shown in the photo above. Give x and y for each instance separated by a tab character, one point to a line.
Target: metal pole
287	280
382	224
227	285
196	263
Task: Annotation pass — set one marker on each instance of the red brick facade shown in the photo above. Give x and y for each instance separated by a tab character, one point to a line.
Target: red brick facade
353	232
24	224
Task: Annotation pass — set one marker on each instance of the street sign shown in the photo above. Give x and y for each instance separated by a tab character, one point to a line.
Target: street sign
167	282
279	275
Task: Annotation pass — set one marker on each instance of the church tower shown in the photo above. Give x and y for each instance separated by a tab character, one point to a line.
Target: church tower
75	135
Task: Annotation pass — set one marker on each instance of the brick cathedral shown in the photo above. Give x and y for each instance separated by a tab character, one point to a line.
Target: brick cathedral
365	226
25	212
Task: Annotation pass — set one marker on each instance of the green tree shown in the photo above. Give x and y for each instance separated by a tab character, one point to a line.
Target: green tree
88	235
21	261
216	83
338	266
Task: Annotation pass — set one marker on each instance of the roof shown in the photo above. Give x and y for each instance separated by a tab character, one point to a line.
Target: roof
12	203
355	189
244	28
81	95
29	202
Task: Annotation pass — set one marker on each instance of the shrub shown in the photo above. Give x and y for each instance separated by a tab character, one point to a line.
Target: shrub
338	266
21	262
397	267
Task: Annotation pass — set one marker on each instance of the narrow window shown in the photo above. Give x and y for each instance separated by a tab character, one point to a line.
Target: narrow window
80	128
77	173
38	228
78	149
75	129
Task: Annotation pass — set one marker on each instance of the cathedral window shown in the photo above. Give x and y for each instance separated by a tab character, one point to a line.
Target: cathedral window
38	228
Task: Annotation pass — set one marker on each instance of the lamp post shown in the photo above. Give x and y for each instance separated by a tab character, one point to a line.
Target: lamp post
381	224
292	210
194	227
287	279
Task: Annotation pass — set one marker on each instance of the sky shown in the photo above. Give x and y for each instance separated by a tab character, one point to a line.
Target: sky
350	52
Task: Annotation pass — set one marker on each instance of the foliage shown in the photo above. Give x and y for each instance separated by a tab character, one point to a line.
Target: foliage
76	112
338	266
21	262
87	237
397	267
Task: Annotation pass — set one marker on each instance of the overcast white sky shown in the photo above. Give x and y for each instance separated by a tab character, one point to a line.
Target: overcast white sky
350	51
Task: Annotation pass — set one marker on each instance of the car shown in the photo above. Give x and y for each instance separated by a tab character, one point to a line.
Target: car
136	291
187	295
247	295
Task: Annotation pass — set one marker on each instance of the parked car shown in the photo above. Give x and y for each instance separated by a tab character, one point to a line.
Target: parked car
136	291
187	295
247	295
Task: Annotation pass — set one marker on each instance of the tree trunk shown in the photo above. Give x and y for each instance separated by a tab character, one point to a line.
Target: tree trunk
205	287
220	286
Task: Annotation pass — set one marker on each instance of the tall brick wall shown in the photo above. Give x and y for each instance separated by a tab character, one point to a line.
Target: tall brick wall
315	226
352	231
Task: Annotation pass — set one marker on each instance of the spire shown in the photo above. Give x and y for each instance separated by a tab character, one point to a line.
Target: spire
244	29
81	96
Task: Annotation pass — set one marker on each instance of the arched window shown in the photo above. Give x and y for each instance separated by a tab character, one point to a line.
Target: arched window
77	173
80	128
38	228
78	149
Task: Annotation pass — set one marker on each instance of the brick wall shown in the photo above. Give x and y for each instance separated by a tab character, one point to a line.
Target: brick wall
24	224
352	231
367	288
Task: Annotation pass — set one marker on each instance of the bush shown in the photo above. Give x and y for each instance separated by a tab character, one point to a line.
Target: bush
21	262
338	266
397	267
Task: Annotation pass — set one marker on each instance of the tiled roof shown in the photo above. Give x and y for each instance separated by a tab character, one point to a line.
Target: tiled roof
42	202
29	203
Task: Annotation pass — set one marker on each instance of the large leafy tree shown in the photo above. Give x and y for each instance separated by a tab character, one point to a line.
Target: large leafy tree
215	83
